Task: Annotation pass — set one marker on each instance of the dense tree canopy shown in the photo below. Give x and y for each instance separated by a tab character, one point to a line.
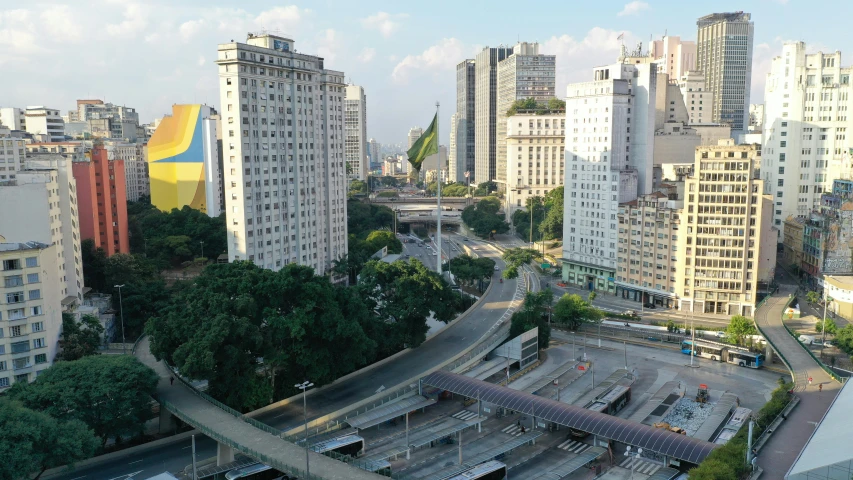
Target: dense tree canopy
739	328
484	219
572	311
552	226
469	269
533	313
515	258
111	394
358	187
539	108
521	219
363	218
80	339
32	442
485	188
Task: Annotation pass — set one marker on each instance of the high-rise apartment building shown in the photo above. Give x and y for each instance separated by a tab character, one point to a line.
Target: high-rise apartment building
414	134
724	231
285	176
698	100
183	160
45	122
485	111
13	118
807	98
373	154
674	56
464	124
724	56
452	160
647	257
524	74
12	154
609	141
756	117
102	200
31	304
135	167
40	205
355	132
535	146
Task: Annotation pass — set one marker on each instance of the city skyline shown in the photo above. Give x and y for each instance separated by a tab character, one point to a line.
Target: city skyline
380	48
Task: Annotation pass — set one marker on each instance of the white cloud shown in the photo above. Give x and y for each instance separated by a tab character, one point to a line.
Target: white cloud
135	21
367	54
327	45
436	59
384	22
633	8
201	61
576	58
190	28
279	18
62	21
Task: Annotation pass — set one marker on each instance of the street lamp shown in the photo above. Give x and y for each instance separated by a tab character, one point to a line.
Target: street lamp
121	313
305	386
202	247
636	455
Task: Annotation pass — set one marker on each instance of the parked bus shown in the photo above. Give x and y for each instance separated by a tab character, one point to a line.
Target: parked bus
720	352
491	470
257	471
610	403
350	445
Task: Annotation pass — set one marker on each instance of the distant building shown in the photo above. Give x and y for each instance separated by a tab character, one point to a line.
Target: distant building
355	133
45	123
183	161
135	167
414	134
13	118
792	256
827	235
674	56
373	148
486	111
12	154
535	145
698	100
756	117
32	310
463	127
102	201
724	56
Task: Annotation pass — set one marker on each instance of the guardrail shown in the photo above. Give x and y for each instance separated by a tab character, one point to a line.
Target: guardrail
775	348
808	350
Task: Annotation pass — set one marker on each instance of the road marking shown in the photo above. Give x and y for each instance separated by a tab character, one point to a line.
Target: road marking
125	476
78	478
131	463
380	389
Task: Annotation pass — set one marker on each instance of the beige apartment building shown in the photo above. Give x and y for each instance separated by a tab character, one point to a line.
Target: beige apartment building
792	256
536	151
647	257
724	221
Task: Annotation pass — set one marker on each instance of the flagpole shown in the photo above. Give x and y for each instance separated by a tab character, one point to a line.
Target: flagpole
438	196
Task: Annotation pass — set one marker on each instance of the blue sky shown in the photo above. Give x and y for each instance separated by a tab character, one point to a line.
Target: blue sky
150	54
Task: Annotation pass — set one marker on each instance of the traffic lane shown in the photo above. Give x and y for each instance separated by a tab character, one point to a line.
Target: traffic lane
167	458
447	343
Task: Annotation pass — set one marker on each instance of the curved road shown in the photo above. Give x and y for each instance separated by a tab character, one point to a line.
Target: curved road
780	452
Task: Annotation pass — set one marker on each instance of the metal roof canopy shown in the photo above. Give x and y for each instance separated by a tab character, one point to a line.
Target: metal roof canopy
417	440
489	454
572	465
718	416
653	403
387	412
601	388
665	473
547	380
630	433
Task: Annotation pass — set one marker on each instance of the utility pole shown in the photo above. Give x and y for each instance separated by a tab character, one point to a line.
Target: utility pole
121	313
202	247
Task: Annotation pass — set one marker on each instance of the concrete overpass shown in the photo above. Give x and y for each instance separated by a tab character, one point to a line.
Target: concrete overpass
421	218
445	201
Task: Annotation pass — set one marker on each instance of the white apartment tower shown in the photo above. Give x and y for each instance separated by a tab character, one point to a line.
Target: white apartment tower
452	158
807	98
355	132
524	74
31	305
464	125
414	134
724	56
12	154
535	146
45	122
698	100
609	145
283	143
13	118
41	206
137	181
485	111
674	56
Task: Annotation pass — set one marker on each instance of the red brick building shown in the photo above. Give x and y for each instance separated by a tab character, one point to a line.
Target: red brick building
102	201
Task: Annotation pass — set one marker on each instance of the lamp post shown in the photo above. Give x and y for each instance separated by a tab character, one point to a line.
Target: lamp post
636	455
305	386
121	314
202	247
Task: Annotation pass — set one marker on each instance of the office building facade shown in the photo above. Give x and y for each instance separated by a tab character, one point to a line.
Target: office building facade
135	168
45	123
102	200
674	56
355	133
485	111
285	173
464	124
12	154
535	146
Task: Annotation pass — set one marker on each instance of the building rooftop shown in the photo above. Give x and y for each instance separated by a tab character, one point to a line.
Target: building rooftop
846	280
11	247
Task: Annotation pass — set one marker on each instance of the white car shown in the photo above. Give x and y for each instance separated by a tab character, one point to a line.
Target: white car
497	269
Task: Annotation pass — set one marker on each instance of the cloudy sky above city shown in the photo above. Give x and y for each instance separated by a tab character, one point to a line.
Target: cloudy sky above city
151	54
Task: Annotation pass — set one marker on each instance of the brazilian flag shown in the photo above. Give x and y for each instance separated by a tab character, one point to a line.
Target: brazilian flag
425	146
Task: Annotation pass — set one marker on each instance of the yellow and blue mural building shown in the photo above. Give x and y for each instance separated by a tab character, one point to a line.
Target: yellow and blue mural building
183	164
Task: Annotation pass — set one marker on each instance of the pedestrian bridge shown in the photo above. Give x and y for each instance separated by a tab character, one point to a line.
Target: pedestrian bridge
445	219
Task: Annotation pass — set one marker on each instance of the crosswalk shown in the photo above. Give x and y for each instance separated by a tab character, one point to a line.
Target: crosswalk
573	446
465	415
515	430
640	466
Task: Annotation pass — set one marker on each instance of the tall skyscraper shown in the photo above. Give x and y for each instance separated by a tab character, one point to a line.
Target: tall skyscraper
674	56
609	143
183	160
40	205
355	132
485	111
724	56
373	148
806	101
414	134
464	125
135	167
524	74
285	178
102	200
452	160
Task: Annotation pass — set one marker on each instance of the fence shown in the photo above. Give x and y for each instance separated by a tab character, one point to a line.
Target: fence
807	349
775	347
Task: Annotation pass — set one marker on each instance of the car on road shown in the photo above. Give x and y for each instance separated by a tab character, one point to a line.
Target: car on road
497	269
465	238
630	313
650	306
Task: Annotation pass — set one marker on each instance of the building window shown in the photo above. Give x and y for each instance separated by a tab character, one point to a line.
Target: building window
38	327
35	294
15	297
41	358
37	310
38	343
32	262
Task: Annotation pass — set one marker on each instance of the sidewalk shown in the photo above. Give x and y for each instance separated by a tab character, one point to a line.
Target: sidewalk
787	441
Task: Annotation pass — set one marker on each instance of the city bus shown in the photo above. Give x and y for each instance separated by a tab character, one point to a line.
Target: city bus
720	352
491	470
350	445
610	403
257	471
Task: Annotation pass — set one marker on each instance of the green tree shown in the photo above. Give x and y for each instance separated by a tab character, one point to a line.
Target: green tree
521	219
485	189
363	218
556	104
404	294
110	394
844	339
483	218
469	269
384	238
358	187
572	311
32	442
151	228
81	339
515	258
739	328
144	292
831	326
552	225
533	313
812	297
94	262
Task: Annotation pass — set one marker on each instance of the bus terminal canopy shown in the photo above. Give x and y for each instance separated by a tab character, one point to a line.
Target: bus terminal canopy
667	443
